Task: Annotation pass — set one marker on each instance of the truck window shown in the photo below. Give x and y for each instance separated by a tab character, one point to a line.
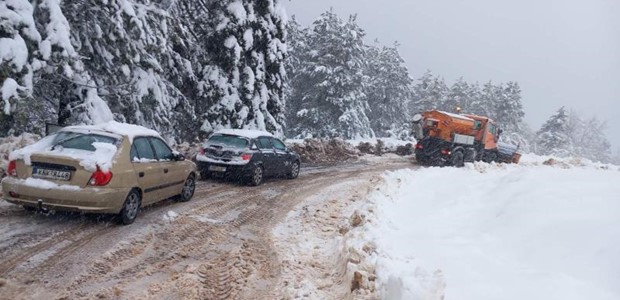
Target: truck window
477	125
492	129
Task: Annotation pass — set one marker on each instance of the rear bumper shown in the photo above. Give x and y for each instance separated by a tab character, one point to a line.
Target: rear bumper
88	199
235	170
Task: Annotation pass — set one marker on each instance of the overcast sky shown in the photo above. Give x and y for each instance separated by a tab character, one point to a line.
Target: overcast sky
561	52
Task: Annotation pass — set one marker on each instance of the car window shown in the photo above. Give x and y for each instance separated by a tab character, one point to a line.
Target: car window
264	143
162	151
278	144
143	149
81	141
228	140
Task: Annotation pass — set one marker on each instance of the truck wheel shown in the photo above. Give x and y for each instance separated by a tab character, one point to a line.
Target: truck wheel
490	157
458	159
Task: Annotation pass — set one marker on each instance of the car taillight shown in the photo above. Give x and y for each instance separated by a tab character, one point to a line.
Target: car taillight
246	156
12	169
202	151
100	178
419	146
445	152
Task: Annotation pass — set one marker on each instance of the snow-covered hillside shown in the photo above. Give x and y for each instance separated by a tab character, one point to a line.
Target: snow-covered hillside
530	231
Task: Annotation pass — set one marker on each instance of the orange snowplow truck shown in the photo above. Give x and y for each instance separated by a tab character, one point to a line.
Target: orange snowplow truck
452	139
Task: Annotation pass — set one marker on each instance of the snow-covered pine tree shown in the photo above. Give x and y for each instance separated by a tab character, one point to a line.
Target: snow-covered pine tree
298	50
333	102
458	96
242	83
388	90
18	39
430	93
554	136
508	109
53	85
588	139
129	53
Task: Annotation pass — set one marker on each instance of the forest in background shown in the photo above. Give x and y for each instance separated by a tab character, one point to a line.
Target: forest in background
186	67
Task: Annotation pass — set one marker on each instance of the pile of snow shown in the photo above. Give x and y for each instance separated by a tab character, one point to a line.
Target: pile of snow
170	216
389	144
324	151
489	231
12	143
338	150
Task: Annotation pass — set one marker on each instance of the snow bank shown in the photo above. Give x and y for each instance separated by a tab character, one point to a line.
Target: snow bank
491	231
12	143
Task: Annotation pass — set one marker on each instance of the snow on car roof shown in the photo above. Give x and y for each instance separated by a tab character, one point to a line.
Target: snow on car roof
457	116
124	129
251	134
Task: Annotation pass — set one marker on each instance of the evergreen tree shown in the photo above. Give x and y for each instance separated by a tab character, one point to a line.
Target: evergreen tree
430	93
299	51
459	96
508	109
553	138
388	90
333	102
243	82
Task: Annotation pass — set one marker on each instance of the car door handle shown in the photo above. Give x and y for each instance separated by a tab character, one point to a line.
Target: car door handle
141	174
166	171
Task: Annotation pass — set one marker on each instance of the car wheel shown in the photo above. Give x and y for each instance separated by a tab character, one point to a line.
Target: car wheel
294	172
458	159
188	189
131	207
256	177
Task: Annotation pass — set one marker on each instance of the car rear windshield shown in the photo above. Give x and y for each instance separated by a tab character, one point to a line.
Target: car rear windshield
81	141
228	141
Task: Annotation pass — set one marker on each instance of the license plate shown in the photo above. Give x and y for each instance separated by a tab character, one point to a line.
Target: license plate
51	174
217	169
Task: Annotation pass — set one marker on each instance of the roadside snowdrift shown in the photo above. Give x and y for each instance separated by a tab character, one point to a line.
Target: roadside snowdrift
546	229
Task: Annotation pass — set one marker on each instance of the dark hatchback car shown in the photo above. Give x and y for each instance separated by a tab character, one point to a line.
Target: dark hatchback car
249	155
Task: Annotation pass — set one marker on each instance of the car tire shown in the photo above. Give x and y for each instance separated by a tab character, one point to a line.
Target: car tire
294	171
458	159
188	189
256	176
130	209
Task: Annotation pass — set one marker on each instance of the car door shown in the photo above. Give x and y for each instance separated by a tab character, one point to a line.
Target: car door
268	155
146	168
282	158
173	173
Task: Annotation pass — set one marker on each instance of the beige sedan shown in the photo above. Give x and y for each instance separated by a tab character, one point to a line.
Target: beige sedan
109	168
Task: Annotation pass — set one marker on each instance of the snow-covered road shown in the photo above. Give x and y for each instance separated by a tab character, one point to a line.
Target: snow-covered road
216	246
